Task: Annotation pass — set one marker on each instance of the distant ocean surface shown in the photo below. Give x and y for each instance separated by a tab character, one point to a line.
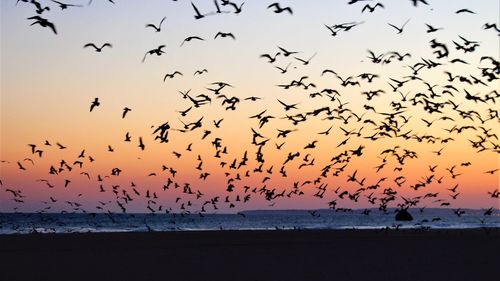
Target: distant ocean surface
12	223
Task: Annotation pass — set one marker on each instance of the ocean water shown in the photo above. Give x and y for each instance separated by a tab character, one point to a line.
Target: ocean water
23	223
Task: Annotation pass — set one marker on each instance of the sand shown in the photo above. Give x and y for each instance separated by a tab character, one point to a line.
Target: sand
254	255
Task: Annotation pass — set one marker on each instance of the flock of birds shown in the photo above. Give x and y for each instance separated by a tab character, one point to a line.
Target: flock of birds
450	105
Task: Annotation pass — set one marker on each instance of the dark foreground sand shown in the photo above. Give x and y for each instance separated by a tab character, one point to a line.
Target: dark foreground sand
254	255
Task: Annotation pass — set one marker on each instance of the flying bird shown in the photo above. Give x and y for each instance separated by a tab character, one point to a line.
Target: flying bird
158	51
415	2
43	23
97	49
172	75
372	9
156	28
64	6
278	9
94	104
399	29
431	28
224	35
464	11
125	111
197	15
188	39
199	72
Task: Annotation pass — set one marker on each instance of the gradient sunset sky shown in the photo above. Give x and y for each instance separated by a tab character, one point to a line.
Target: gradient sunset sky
48	82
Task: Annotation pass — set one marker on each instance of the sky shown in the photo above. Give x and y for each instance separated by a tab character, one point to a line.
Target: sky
48	82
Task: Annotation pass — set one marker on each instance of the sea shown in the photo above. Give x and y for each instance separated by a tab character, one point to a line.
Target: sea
26	223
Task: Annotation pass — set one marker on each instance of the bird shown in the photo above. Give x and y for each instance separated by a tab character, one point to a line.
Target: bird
199	72
156	28
224	35
286	53
288	106
431	28
43	23
491	26
97	49
399	29
237	9
372	9
125	111
21	167
491	171
94	104
464	11
283	70
306	62
278	9
197	15
269	57
172	75
188	39
141	144
415	2
64	6
158	51
39	9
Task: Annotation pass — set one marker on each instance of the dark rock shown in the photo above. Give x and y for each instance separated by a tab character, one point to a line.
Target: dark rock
403	215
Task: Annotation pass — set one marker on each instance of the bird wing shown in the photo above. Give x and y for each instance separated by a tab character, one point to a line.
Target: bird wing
284	104
35	18
52	26
276	5
90	45
394	26
144	58
195	9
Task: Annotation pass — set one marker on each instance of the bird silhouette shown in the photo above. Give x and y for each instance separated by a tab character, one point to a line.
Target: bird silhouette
171	75
278	9
156	28
399	29
97	49
94	104
43	23
372	9
197	15
64	6
464	11
415	2
188	39
431	28
158	51
125	111
224	35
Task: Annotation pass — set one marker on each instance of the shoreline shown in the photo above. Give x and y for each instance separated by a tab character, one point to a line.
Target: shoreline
402	254
354	229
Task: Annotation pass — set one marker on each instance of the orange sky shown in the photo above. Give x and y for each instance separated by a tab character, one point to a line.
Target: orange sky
49	82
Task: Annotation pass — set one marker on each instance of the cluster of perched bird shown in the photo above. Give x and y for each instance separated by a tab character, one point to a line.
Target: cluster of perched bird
451	104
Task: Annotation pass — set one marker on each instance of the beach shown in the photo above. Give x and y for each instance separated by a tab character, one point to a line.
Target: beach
451	254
